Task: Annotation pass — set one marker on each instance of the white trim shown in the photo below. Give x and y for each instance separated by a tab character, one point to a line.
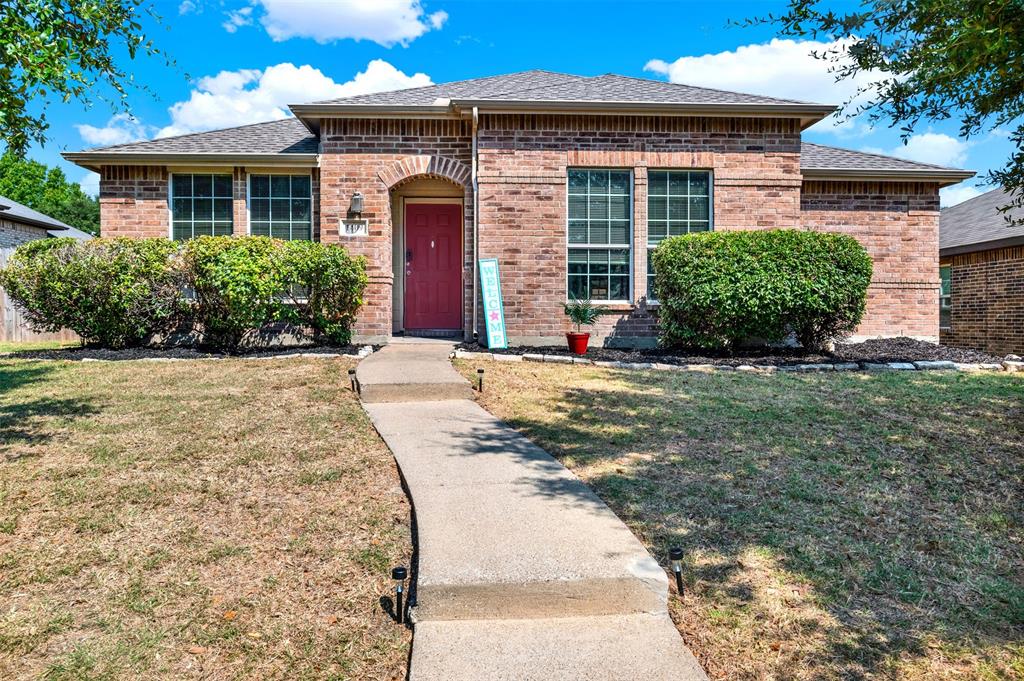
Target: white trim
630	300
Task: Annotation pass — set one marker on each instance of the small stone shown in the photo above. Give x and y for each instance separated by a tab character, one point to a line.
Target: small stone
815	367
610	365
873	366
846	366
746	367
497	357
533	357
558	359
991	366
1013	366
901	366
935	365
963	366
661	366
1013	358
724	367
699	367
766	368
581	360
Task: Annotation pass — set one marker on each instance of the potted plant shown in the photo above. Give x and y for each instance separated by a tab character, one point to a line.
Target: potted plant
582	313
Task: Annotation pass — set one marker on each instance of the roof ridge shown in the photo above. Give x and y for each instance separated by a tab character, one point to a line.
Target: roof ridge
450	82
877	155
192	134
708	89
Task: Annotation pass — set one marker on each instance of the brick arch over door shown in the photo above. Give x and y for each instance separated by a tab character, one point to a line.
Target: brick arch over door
412	167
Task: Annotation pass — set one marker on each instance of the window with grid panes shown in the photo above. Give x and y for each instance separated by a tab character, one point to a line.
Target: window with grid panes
945	296
600	234
200	205
678	202
281	206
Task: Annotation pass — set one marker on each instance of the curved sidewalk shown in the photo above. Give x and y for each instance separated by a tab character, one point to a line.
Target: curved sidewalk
523	572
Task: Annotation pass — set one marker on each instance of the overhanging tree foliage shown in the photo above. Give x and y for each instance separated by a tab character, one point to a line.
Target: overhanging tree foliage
939	59
65	49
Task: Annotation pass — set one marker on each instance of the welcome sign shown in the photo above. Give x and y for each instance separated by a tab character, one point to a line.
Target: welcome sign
494	315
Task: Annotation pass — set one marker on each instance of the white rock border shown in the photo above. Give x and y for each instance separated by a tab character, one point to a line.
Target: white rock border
923	365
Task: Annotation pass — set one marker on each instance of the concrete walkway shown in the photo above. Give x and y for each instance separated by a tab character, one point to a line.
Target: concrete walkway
523	573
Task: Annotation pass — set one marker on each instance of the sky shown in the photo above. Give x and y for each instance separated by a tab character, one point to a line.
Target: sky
244	61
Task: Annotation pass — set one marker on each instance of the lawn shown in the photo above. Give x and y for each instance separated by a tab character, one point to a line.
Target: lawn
835	526
199	519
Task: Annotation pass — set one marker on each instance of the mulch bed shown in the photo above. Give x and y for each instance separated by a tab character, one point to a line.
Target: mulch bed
83	353
877	350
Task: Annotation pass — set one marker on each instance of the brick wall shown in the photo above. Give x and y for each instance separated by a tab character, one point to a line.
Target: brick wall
133	201
355	156
13	234
987	298
898	223
523	172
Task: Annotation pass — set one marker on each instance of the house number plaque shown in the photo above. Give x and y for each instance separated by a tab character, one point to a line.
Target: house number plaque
355	227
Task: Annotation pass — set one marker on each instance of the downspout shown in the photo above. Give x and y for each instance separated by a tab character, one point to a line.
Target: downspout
476	221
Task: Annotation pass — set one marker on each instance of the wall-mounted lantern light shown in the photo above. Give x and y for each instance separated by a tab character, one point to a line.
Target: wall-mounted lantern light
355	207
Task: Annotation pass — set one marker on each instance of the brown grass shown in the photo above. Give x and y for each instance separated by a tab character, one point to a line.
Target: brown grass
845	526
201	519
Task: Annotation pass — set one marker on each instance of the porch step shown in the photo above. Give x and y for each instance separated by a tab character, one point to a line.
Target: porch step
411	372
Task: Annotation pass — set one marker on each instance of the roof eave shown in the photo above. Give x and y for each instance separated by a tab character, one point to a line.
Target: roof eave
310	114
33	223
94	160
944	177
991	245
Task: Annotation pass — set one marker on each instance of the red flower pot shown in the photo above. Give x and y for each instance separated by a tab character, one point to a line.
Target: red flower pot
577	342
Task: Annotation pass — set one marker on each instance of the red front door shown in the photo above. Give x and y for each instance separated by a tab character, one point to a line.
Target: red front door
433	266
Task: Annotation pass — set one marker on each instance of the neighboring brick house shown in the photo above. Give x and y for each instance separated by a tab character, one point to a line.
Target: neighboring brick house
981	258
19	224
575	178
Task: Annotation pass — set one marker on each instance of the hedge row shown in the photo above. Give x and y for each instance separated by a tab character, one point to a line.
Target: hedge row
120	292
719	289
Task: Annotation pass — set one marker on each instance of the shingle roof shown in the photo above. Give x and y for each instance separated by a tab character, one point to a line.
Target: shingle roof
546	86
819	156
978	221
16	212
286	136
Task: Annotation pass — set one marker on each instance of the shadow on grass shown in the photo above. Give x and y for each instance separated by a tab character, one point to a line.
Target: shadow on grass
24	414
895	499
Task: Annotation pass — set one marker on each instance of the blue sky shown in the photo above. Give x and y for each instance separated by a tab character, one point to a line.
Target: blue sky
243	61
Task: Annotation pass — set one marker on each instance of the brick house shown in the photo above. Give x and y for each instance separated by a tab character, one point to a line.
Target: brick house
981	259
566	180
20	224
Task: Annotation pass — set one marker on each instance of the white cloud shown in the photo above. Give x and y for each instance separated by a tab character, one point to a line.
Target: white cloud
187	7
950	196
232	98
387	22
929	147
90	183
780	68
120	129
238	18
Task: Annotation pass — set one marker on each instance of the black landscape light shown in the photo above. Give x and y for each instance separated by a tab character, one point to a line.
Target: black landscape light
480	380
676	556
352	379
399	574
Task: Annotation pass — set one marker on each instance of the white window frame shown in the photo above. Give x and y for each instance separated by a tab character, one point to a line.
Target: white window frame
289	172
629	246
647	213
170	197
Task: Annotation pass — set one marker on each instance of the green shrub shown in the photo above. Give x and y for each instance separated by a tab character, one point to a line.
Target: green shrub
716	289
237	282
113	292
325	287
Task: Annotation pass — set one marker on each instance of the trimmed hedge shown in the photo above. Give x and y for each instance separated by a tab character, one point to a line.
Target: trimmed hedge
119	292
717	289
112	292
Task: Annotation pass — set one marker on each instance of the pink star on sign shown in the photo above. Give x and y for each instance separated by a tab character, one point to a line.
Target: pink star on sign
494	316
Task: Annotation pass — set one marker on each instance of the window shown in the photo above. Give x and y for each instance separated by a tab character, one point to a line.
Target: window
280	206
945	296
678	202
600	234
200	204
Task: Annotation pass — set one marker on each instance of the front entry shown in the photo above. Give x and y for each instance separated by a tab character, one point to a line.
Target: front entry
433	266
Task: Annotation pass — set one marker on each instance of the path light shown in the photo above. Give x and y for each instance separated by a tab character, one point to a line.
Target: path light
480	380
352	379
676	556
399	574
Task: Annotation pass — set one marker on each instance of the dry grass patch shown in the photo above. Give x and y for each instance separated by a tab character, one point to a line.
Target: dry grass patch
845	526
229	519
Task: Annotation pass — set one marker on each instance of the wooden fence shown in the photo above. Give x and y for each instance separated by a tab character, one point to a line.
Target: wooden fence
13	328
